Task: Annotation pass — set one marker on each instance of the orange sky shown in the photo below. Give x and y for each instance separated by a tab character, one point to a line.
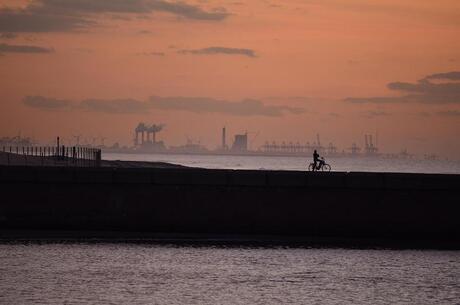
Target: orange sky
314	66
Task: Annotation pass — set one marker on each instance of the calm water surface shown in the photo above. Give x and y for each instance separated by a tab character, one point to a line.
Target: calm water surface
151	274
346	164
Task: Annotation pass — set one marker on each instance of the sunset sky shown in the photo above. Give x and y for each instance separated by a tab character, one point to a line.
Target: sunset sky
286	69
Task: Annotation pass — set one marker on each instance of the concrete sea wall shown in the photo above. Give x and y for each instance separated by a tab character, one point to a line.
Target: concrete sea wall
238	202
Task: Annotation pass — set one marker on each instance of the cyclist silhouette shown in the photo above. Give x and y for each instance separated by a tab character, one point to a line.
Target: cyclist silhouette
317	161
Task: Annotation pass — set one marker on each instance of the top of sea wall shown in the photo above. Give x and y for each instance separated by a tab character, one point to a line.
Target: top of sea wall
223	177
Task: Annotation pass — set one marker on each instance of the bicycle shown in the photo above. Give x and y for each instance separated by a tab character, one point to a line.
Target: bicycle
322	166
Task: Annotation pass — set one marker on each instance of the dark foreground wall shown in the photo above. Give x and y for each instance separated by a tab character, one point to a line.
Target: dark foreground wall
383	205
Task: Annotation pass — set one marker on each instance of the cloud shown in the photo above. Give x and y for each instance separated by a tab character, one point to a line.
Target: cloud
449	113
8	48
424	91
28	20
8	35
376	113
66	15
220	50
153	53
377	100
46	103
188	11
455	75
245	107
424	114
115	106
123	6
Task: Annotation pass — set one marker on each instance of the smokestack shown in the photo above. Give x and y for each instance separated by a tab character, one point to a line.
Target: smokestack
224	144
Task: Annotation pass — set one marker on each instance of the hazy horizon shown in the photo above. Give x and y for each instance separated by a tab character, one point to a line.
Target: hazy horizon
289	70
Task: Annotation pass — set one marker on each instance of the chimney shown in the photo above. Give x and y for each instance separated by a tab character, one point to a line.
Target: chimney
224	145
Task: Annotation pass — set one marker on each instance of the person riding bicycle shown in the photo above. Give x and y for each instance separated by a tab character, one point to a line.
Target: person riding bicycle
317	161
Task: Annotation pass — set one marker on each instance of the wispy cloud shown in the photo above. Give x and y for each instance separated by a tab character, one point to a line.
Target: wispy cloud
219	50
115	106
455	75
8	35
46	103
376	114
7	48
152	53
247	107
29	20
423	91
59	15
449	113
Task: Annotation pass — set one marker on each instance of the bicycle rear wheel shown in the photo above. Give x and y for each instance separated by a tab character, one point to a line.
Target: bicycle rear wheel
326	168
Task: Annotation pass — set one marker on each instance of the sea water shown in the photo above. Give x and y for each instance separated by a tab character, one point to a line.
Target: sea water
123	273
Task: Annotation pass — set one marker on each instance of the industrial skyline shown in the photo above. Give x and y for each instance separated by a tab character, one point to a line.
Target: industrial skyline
145	139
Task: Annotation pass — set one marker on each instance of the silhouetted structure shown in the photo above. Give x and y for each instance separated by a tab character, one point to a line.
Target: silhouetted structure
370	149
150	142
58	155
354	149
241	143
224	139
398	207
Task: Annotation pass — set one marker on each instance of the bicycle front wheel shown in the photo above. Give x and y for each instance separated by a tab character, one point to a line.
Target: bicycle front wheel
326	168
311	167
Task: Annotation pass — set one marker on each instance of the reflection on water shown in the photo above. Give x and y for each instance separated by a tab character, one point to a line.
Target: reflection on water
346	164
152	274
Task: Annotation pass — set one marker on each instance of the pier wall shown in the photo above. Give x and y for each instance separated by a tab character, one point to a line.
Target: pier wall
355	204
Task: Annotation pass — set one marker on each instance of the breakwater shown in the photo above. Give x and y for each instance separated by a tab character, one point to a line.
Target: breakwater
230	202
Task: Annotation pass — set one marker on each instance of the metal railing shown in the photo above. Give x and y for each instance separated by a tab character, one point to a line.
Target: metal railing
50	155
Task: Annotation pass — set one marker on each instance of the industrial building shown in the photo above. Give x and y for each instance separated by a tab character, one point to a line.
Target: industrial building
145	139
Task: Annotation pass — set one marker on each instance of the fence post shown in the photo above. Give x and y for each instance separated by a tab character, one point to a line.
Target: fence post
98	157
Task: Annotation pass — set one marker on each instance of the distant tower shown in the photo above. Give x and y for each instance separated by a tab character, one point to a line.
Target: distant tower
224	144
